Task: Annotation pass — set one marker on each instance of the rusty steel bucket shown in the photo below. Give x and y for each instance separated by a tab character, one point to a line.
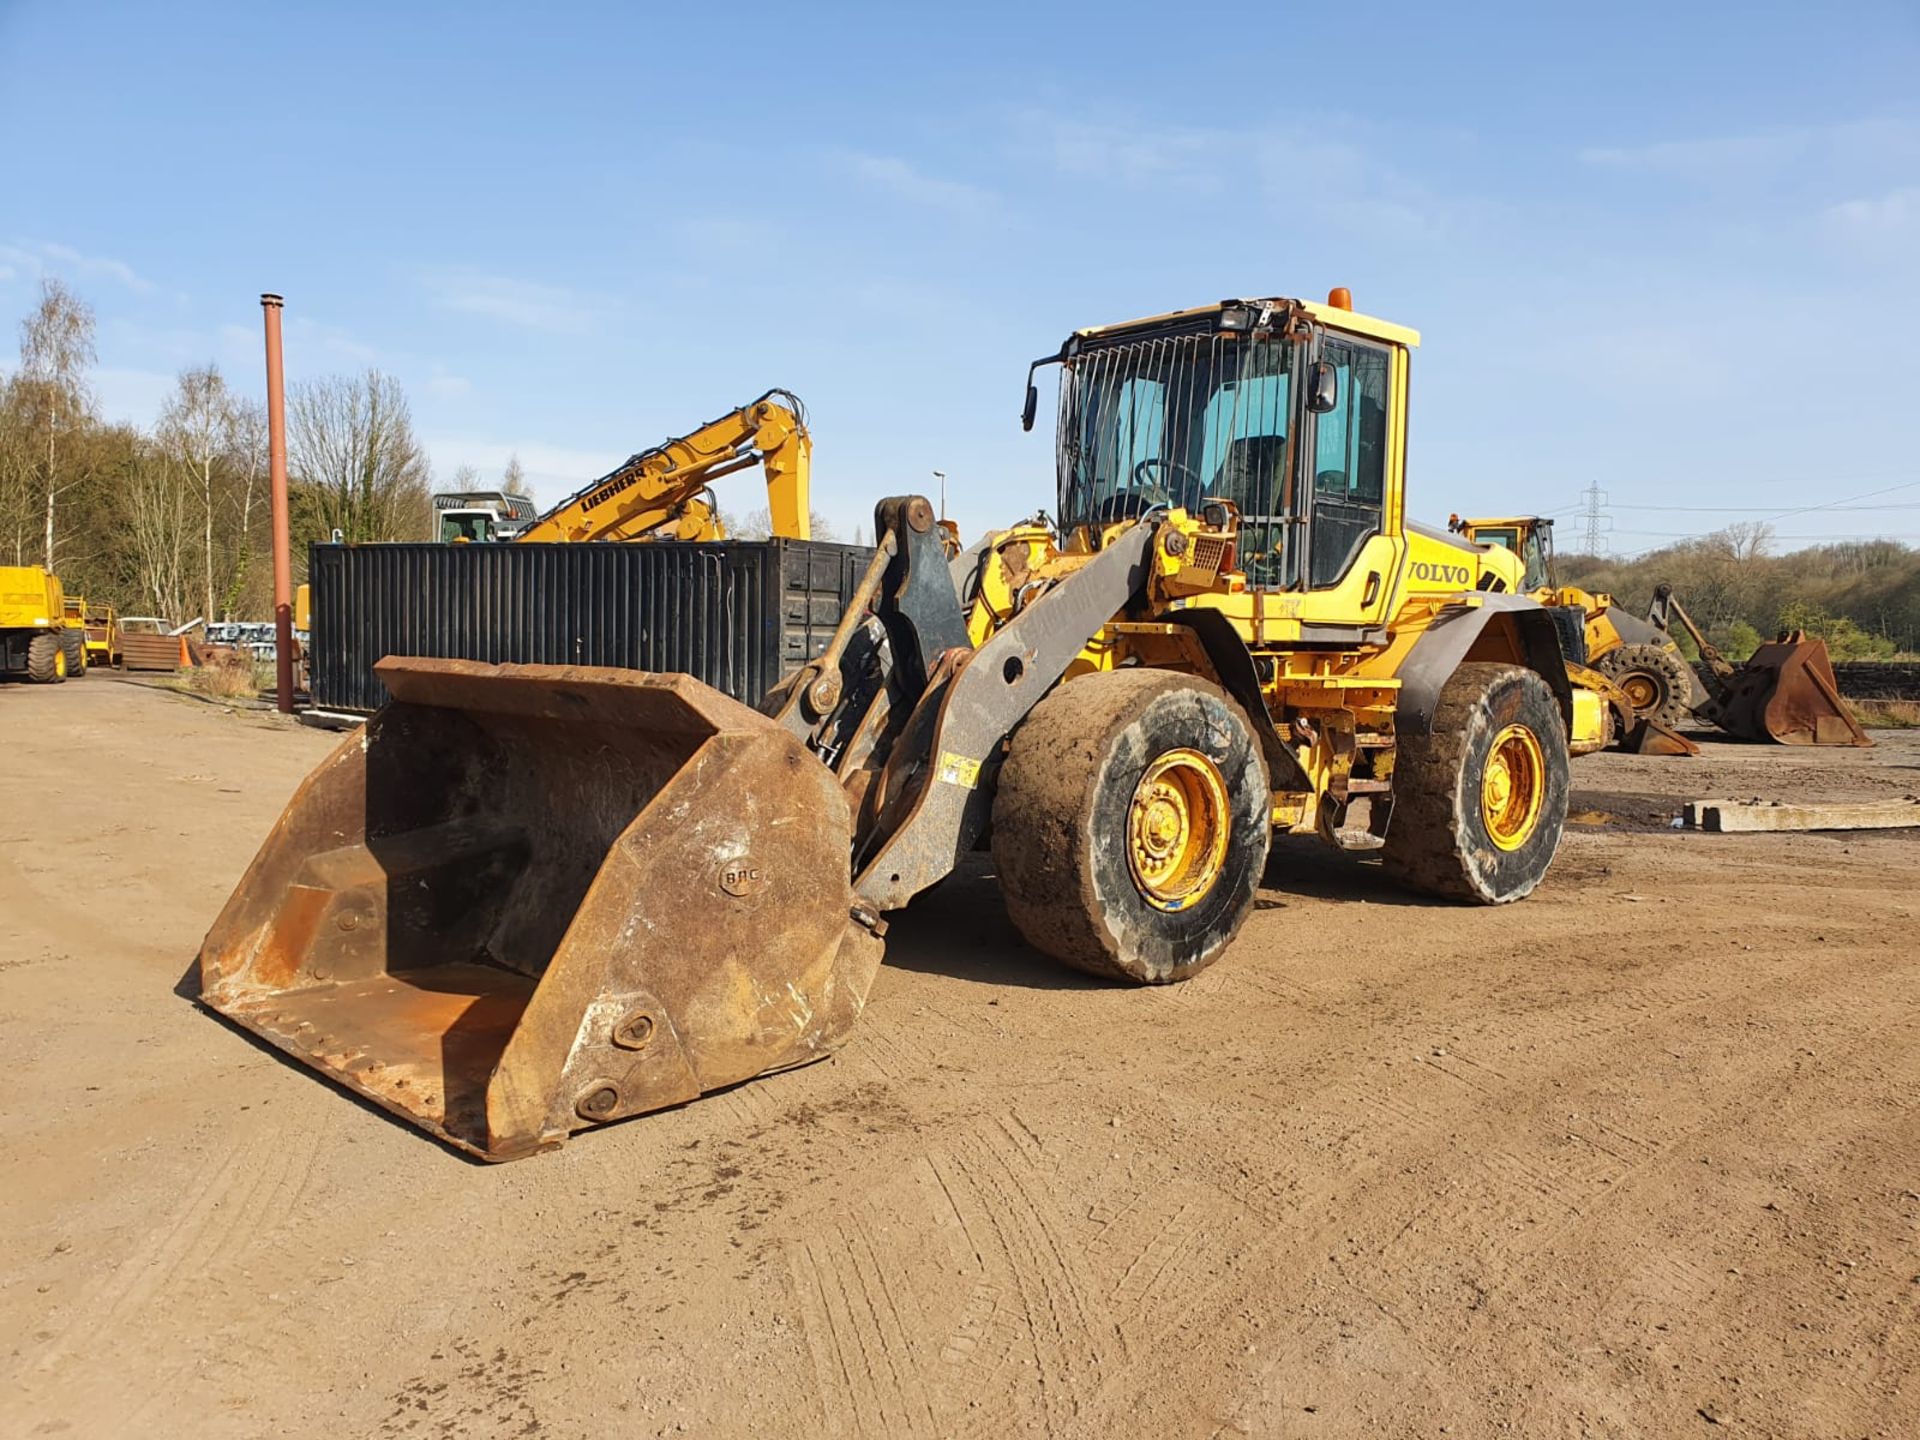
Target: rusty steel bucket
525	900
1786	692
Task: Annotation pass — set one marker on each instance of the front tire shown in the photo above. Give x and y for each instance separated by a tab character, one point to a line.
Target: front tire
1481	802
73	645
1131	823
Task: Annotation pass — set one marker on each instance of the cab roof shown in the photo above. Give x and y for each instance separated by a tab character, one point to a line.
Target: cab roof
1332	316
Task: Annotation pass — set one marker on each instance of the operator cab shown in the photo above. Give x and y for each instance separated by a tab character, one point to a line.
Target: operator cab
1529	536
1281	407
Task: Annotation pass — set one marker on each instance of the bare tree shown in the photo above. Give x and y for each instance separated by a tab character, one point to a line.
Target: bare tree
56	349
351	443
1747	540
19	471
464	479
159	508
197	433
513	479
248	458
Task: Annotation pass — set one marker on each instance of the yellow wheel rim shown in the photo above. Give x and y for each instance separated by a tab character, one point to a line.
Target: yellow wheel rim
60	663
1177	829
1513	787
1641	691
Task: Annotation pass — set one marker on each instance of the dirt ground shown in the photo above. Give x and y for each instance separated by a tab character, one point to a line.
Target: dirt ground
1637	1157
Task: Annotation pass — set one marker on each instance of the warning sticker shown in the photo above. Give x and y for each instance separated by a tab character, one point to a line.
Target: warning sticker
959	770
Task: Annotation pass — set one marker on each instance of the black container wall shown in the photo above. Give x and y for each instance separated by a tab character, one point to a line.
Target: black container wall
737	615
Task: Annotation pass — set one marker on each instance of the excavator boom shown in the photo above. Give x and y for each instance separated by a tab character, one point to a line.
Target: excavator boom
661	493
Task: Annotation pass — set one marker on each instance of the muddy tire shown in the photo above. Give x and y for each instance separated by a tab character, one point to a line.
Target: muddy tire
73	644
1479	804
46	661
1655	678
1130	824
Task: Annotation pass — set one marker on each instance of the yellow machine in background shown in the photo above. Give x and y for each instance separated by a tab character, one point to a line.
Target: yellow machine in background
1639	657
101	626
36	640
662	494
528	900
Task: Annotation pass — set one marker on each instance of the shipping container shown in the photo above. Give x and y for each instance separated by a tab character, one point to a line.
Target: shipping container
735	614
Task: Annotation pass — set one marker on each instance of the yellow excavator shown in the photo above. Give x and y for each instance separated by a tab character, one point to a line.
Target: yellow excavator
662	493
530	900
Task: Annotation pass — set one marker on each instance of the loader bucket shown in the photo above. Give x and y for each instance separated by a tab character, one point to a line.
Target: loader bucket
1786	692
524	900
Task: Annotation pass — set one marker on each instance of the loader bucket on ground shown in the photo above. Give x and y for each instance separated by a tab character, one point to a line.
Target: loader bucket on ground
527	899
1786	692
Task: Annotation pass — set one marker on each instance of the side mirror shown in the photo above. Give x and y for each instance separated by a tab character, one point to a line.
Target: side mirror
1323	391
1027	410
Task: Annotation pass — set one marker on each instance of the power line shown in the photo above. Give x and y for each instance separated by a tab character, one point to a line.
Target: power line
1759	509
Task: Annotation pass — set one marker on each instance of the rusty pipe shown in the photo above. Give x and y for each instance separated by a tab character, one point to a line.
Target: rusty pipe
270	306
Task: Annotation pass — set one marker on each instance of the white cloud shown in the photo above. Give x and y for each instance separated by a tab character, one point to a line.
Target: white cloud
1850	144
133	396
1702	158
100	265
37	258
530	306
1886	217
904	181
306	337
1135	155
553	471
1322	170
447	386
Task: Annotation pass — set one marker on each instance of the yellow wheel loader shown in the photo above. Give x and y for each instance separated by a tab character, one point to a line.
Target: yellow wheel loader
525	901
35	640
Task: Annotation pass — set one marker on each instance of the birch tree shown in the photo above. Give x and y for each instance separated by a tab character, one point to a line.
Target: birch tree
56	351
197	433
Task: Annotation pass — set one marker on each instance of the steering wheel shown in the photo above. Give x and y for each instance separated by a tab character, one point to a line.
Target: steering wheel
1157	462
1130	504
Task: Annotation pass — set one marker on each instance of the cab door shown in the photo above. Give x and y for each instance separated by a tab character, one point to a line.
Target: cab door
1347	448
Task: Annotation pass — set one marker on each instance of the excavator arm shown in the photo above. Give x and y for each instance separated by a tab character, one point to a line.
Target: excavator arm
661	493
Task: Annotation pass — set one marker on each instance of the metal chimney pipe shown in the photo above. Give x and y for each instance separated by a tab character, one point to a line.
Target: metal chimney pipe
282	545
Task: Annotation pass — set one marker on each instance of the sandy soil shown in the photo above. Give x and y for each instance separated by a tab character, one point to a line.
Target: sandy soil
1638	1157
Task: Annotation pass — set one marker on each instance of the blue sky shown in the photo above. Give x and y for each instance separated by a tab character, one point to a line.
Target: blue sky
1672	250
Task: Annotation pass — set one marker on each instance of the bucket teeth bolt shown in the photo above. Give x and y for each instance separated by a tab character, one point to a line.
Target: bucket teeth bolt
599	1102
633	1032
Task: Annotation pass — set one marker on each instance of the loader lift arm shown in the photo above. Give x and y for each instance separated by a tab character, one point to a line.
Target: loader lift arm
661	493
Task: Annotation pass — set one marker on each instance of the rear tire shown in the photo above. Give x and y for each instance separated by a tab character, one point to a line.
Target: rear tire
46	661
1655	679
73	645
1480	803
1130	824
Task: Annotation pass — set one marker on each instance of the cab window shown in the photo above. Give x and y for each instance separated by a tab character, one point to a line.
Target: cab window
1349	458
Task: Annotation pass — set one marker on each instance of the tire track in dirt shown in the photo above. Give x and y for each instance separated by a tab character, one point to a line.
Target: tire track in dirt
242	1197
870	1378
1485	1227
1520	1195
74	928
1031	1255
